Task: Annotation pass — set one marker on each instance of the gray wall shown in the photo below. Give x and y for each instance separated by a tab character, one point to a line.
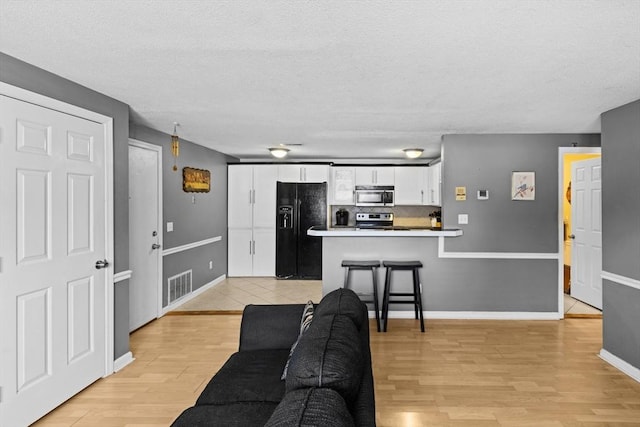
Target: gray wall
486	162
500	224
192	222
26	76
621	230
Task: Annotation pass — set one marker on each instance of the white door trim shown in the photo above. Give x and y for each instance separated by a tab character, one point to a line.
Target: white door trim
107	123
158	150
561	152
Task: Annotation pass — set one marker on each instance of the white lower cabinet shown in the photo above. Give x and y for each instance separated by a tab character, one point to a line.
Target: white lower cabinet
252	252
264	252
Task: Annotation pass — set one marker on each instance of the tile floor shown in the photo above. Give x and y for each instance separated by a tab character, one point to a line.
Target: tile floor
236	292
573	306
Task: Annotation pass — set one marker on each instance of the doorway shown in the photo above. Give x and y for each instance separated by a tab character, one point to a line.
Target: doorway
567	157
145	232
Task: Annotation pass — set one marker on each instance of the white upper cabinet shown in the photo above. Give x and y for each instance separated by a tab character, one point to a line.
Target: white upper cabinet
264	196
252	196
410	185
303	173
343	186
240	196
433	185
380	175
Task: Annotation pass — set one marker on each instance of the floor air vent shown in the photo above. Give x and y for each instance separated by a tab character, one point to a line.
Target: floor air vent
179	285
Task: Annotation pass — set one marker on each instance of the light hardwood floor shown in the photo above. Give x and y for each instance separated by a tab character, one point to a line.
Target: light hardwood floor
458	373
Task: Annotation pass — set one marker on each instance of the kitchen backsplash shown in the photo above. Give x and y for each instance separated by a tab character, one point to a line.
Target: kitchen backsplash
406	216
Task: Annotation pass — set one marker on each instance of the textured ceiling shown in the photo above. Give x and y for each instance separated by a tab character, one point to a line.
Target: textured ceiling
346	79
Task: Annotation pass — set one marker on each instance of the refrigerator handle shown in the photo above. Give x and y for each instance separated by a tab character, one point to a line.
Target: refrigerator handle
299	203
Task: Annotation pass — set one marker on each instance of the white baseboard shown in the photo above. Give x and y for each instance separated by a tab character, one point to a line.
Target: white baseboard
475	315
123	361
620	364
193	294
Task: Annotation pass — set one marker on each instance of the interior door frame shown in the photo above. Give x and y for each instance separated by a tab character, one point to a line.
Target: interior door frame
107	124
160	218
561	152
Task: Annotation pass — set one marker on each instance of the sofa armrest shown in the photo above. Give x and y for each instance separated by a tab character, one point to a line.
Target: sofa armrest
270	326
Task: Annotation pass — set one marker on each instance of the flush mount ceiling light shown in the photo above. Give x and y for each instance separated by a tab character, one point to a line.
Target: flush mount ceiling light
278	152
413	153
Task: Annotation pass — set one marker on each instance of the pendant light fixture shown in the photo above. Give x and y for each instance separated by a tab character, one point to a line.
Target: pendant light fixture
175	145
413	153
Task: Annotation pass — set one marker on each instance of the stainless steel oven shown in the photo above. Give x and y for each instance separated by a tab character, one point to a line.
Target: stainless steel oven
375	195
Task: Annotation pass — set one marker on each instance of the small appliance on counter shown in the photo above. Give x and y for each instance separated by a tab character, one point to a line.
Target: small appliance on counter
342	217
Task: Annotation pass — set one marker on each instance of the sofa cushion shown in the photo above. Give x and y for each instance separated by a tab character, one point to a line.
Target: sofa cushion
247	376
328	355
311	407
345	302
305	322
241	414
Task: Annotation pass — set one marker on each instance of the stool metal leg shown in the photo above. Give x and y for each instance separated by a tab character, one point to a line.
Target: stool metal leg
385	301
418	293
375	296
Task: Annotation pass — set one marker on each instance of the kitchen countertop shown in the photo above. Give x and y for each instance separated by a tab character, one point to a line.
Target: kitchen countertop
387	232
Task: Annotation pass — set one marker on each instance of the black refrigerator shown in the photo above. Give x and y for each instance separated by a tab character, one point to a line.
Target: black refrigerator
300	206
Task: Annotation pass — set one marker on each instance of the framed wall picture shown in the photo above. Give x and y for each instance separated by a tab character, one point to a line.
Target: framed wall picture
196	180
523	185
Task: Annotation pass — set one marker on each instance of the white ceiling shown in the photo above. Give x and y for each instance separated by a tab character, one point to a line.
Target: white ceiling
346	79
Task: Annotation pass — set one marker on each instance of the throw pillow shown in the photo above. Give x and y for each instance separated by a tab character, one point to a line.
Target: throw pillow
307	316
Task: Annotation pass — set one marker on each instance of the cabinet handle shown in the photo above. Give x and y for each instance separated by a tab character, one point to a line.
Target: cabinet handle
254	196
422	197
433	197
375	176
254	247
250	247
250	201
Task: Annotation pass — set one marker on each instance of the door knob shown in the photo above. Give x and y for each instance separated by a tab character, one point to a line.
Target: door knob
572	236
103	263
156	246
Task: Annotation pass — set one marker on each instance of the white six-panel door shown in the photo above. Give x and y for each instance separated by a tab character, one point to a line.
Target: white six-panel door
586	223
145	232
52	232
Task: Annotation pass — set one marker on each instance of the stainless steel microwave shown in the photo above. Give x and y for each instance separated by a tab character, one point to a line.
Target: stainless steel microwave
374	195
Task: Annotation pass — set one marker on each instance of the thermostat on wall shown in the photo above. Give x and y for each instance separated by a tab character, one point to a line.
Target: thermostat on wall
483	194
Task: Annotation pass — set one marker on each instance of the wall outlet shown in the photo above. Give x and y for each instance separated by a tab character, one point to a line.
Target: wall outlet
210	265
169	227
463	219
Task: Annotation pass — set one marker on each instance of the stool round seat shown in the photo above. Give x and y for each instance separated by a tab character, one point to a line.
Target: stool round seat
360	264
402	265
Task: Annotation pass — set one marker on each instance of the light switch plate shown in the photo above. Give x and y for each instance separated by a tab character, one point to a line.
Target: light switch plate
169	227
463	219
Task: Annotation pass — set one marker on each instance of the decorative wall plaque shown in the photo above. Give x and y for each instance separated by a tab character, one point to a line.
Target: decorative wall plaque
196	180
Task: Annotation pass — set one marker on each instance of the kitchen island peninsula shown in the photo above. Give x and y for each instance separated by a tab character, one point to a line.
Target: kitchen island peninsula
389	244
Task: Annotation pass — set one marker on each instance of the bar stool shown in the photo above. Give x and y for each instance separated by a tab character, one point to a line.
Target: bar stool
414	267
369	298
